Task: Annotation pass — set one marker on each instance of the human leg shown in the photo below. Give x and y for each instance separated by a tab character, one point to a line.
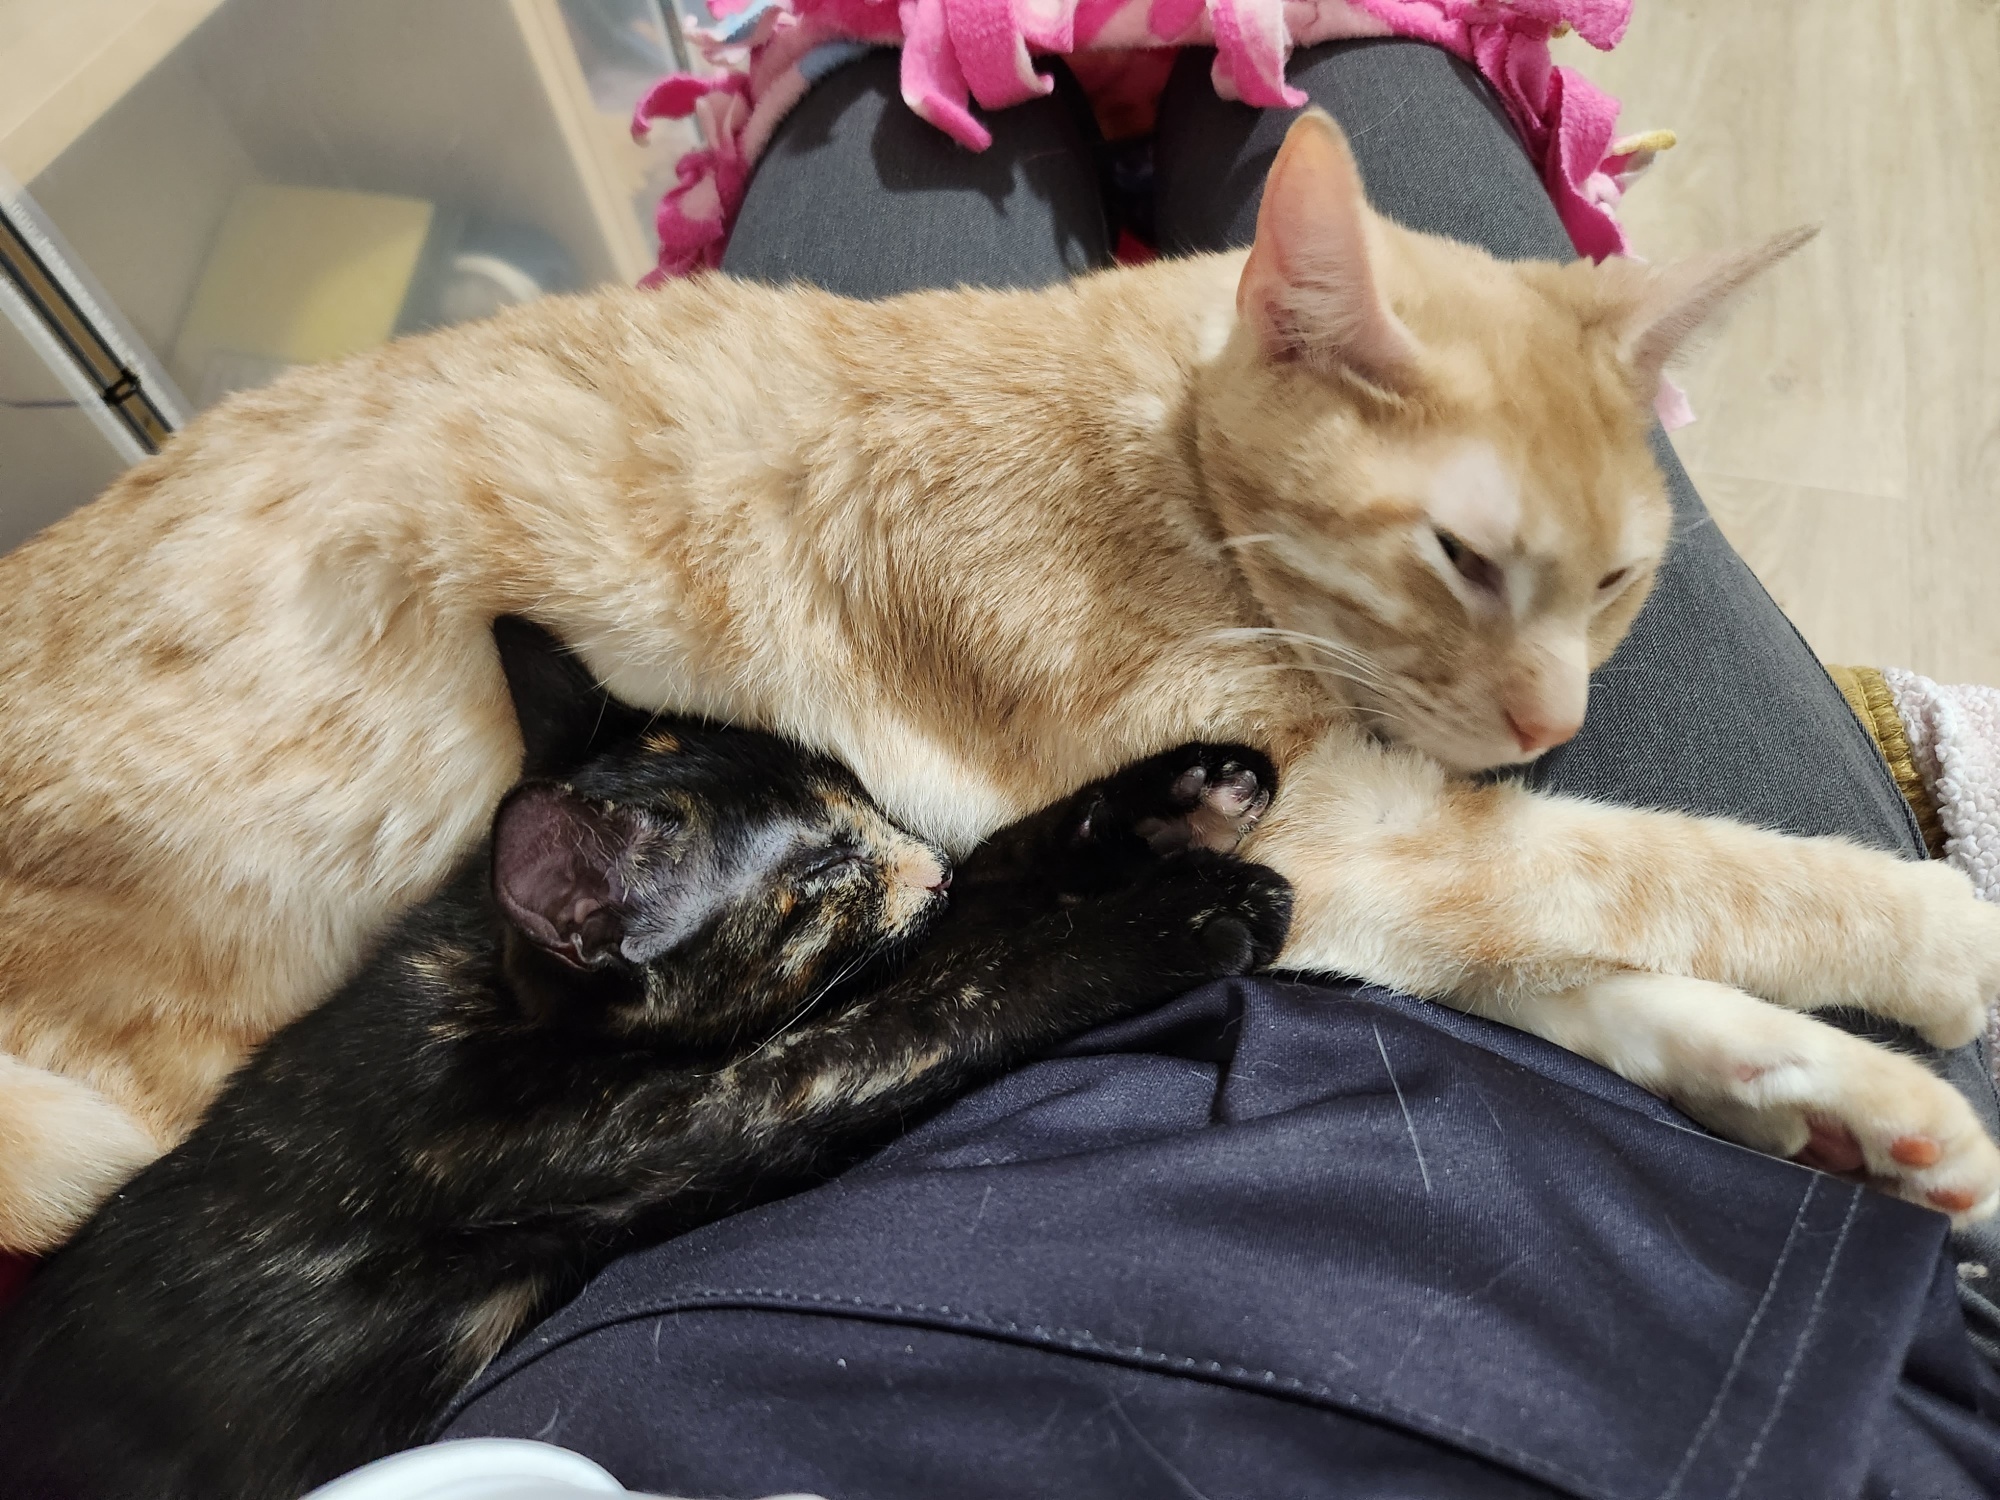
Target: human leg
858	195
1279	1239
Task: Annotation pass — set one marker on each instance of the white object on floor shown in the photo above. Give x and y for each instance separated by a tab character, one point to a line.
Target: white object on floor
481	1469
1954	735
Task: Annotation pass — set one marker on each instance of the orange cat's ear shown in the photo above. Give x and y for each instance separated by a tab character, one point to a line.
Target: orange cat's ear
1662	305
1309	289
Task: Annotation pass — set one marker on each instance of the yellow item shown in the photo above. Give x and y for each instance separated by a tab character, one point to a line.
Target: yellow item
298	275
1649	141
1868	695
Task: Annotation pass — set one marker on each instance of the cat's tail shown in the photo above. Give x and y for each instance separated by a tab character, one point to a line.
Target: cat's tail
64	1149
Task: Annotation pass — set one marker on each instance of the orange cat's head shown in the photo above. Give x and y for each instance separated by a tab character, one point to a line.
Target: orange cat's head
1433	467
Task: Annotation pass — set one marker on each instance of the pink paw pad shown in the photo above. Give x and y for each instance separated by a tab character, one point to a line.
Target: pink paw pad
1223	808
1917	1151
1951	1200
1831	1147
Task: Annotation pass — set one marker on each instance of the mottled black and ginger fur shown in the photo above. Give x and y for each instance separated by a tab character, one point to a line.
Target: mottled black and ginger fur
670	991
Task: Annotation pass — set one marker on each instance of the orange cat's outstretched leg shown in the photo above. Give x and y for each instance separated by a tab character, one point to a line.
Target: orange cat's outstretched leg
1784	1083
64	1148
1631	937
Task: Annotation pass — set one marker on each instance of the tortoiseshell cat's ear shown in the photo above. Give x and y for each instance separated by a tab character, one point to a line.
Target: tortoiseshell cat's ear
556	859
565	715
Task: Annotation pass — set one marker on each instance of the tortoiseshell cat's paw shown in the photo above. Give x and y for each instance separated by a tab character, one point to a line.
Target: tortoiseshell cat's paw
1196	797
1231	915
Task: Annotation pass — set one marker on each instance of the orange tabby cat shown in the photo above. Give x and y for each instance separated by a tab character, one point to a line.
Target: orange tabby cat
1357	484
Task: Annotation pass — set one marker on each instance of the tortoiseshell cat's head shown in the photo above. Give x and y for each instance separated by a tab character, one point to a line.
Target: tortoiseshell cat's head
688	865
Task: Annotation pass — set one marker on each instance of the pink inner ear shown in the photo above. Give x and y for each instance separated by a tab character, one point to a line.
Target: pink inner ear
1663	305
554	873
1310	287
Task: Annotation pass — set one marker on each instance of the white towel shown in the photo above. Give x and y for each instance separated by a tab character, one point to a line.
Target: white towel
1954	735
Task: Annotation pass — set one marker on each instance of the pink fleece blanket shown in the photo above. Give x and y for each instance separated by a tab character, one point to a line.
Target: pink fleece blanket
769	52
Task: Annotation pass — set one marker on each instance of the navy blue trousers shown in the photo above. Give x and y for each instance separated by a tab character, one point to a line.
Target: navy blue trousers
1283	1239
1279	1240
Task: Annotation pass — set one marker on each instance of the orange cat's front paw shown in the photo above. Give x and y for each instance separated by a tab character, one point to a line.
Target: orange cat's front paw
1832	1146
1935	1162
1835	1102
1782	1082
1953	970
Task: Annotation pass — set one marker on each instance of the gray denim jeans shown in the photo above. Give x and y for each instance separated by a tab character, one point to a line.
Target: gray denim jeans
1713	705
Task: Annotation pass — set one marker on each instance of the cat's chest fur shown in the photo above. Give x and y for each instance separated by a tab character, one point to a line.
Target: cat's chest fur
981	577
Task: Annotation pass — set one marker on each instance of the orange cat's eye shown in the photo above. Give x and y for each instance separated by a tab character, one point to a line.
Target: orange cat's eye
1480	572
1612	579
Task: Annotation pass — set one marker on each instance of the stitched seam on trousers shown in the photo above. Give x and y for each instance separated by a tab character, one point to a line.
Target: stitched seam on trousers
1798	1351
948	1319
1714	1414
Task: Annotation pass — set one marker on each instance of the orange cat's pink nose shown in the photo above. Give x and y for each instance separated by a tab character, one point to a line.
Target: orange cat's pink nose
1535	735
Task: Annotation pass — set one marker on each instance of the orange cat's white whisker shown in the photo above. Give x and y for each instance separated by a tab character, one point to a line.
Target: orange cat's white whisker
1337	674
1250	539
1295	637
1321	670
1375	675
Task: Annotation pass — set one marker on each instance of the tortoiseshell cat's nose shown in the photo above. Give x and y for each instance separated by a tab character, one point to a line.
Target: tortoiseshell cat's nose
925	869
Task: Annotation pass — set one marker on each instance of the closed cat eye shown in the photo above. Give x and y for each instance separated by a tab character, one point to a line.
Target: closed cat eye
1612	579
835	862
1480	572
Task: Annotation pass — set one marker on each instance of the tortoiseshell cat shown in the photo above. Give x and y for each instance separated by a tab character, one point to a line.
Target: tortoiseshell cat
657	1001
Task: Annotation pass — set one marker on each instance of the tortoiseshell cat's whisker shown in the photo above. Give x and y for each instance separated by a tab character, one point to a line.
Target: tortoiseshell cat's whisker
846	971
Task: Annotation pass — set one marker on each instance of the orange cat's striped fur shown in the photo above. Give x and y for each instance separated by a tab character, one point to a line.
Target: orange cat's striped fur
984	546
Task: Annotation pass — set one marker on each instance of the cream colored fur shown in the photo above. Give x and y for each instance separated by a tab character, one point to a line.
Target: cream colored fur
983	546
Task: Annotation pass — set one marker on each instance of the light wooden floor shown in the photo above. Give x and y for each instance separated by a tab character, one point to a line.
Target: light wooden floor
1849	432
